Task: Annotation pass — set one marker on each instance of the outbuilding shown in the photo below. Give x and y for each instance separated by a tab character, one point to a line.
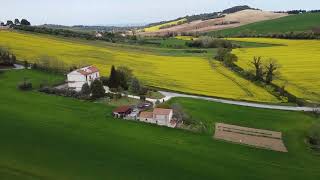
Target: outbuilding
122	111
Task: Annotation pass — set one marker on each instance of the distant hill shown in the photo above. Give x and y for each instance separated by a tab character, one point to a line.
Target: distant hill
237	9
292	23
222	21
204	16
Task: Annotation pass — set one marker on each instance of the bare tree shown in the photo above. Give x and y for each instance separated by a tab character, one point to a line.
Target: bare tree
271	68
258	65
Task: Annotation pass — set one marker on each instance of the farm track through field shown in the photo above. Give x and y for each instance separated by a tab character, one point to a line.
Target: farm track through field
299	62
215	68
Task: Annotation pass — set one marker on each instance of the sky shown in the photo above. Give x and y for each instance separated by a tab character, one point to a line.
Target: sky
129	12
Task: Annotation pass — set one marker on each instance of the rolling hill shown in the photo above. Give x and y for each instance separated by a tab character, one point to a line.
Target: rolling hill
226	21
292	23
170	72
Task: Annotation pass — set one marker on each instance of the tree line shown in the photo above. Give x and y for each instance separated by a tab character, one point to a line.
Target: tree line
314	33
7	58
106	36
16	22
210	42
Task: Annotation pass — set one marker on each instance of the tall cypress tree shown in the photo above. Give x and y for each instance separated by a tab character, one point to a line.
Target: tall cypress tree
113	78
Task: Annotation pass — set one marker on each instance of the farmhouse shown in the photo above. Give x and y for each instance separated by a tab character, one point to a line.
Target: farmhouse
159	116
77	78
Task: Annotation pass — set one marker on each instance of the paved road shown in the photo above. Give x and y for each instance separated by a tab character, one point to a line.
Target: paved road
16	67
170	95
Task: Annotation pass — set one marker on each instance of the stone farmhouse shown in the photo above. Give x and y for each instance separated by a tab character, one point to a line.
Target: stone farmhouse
77	78
159	116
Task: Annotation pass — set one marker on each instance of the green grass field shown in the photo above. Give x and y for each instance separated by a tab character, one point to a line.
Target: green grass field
301	22
190	74
50	137
299	62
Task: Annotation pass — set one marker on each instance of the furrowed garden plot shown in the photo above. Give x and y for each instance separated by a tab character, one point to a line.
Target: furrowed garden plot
186	74
253	137
299	61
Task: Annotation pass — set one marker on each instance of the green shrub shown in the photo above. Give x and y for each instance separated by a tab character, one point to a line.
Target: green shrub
314	136
25	86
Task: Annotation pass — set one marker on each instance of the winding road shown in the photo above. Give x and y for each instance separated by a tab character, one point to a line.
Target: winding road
170	95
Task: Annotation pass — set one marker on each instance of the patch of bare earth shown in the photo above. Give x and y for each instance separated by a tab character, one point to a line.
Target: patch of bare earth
253	137
229	21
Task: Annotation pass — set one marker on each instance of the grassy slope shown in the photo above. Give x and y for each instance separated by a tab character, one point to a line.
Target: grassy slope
299	60
170	72
301	22
49	137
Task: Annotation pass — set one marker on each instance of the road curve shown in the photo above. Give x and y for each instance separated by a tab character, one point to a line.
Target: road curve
170	95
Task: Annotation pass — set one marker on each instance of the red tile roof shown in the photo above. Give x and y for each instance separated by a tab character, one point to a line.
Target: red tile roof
122	109
160	111
88	70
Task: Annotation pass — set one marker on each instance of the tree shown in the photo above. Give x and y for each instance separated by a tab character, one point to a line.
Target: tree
25	22
271	68
125	75
113	78
104	80
257	63
25	64
221	53
9	23
314	135
229	59
135	86
16	22
97	89
13	59
85	90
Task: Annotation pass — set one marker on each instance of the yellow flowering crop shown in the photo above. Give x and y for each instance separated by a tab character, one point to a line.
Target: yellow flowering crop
186	74
299	60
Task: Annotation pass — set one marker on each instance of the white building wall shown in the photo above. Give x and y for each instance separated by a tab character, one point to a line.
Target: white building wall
77	80
147	120
161	119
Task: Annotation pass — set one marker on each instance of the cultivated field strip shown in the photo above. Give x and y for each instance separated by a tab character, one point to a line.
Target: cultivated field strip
299	61
254	137
186	74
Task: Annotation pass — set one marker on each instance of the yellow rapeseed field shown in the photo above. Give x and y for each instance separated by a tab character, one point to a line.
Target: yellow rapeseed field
299	60
156	28
187	74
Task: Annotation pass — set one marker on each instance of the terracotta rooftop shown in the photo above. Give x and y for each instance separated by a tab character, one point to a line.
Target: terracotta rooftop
122	109
88	70
146	114
160	111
